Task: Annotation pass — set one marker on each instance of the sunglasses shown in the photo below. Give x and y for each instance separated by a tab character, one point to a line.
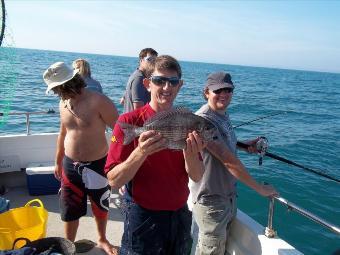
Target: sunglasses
227	90
161	81
149	58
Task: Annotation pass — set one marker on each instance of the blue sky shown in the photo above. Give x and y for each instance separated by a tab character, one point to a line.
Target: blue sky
286	34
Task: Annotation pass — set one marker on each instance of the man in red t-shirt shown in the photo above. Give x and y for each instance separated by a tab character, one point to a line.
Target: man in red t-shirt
157	220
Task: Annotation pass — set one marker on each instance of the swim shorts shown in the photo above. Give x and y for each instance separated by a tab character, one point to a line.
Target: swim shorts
79	180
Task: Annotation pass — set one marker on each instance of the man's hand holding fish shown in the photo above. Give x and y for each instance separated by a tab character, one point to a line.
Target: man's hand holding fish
150	142
194	147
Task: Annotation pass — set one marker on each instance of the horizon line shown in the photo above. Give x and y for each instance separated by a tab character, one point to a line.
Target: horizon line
190	61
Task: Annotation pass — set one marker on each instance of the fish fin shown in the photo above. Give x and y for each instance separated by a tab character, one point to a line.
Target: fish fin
129	132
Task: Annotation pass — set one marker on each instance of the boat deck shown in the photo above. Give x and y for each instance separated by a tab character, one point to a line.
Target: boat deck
19	196
246	235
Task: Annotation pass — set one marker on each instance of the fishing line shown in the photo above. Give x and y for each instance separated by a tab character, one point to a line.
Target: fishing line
259	118
9	66
279	158
2	20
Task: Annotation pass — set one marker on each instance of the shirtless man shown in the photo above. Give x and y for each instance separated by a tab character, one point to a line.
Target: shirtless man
81	150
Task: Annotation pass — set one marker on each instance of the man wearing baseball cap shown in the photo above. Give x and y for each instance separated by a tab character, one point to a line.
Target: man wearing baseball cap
81	150
219	80
214	196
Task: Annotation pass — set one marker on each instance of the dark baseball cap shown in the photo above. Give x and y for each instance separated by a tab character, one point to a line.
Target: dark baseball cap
219	80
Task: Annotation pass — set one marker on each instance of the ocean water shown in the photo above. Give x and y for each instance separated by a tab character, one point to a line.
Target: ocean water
307	131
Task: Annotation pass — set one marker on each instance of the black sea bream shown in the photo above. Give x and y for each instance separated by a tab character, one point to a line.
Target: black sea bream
174	125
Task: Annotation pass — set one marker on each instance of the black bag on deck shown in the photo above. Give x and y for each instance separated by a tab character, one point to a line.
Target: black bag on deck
48	245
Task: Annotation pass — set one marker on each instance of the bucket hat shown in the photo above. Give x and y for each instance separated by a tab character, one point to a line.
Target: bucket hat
57	74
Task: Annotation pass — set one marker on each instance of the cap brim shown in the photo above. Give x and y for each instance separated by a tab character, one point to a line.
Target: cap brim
220	86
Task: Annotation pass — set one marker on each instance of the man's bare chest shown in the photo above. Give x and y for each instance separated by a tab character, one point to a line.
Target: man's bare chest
79	116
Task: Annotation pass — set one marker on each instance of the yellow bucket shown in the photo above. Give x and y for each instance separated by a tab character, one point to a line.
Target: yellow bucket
28	222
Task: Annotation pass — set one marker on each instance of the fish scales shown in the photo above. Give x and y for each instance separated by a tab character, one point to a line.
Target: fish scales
174	125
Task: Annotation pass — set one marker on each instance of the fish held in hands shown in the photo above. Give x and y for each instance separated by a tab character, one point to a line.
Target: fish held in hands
174	125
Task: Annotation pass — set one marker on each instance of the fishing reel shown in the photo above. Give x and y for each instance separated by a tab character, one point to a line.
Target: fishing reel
262	147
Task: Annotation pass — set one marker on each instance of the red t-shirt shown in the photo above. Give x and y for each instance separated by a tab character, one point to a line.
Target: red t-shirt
161	183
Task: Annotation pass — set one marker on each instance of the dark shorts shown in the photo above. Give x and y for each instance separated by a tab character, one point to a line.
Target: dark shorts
79	180
156	232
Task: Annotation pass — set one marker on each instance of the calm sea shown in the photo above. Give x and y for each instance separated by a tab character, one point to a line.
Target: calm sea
309	133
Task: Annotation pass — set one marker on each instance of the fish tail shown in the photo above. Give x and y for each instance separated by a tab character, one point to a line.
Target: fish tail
129	132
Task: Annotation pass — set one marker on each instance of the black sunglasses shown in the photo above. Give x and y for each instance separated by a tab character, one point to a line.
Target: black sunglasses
149	58
227	90
161	80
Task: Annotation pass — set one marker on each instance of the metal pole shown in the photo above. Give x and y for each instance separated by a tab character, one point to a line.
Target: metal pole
27	123
50	111
40	112
269	231
309	215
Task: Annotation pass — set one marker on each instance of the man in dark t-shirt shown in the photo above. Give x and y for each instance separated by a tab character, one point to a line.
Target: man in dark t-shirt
136	94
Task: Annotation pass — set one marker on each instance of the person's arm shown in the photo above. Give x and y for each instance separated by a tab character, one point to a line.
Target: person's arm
193	162
252	146
149	142
60	152
108	111
122	99
138	92
237	169
137	105
100	88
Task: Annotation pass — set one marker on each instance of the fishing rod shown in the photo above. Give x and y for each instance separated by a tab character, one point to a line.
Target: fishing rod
259	118
262	146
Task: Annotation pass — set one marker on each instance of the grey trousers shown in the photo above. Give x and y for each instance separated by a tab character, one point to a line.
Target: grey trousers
213	218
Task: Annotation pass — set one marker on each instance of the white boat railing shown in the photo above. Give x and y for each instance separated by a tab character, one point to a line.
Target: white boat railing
270	232
27	114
